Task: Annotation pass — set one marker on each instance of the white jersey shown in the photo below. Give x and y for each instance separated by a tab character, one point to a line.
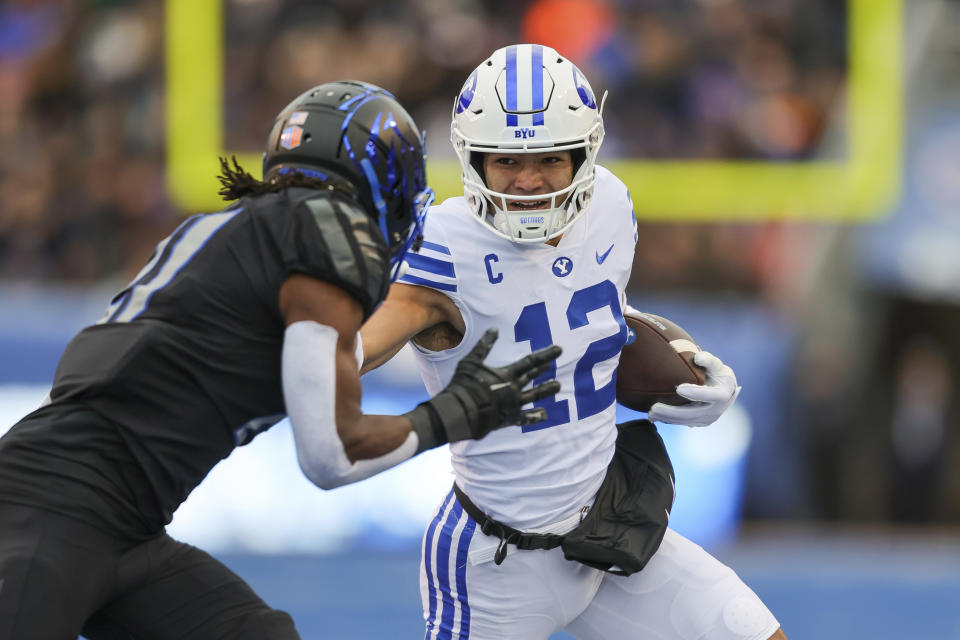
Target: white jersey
536	295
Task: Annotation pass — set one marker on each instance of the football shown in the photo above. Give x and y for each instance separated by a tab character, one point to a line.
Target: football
657	357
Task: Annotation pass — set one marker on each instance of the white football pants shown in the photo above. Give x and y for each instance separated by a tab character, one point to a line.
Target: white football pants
683	593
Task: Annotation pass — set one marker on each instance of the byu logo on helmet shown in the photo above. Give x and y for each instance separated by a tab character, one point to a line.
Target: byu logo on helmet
583	89
467	93
562	267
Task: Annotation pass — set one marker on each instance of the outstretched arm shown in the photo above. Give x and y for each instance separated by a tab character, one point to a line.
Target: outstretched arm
336	442
320	379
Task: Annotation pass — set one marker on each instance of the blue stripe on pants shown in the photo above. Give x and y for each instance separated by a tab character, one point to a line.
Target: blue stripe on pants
462	548
447	628
428	565
443	572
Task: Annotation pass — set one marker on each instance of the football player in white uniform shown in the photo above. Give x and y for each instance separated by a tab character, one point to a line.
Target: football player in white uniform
541	247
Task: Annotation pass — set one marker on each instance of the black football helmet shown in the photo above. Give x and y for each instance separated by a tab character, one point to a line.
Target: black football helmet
359	133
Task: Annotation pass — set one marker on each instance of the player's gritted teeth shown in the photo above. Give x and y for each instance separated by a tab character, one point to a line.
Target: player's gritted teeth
522	205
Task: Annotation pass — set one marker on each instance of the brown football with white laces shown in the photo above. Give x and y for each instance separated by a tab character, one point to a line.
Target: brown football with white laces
657	357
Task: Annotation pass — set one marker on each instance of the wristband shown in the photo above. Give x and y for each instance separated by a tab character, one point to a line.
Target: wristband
427	425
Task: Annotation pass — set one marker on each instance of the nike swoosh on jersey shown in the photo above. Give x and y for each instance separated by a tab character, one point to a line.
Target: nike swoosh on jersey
603	256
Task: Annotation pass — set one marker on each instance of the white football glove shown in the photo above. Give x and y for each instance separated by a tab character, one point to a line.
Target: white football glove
708	400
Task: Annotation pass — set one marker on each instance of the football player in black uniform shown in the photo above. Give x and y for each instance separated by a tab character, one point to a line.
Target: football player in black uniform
239	318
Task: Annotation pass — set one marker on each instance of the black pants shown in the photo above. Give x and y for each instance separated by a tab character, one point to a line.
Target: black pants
60	577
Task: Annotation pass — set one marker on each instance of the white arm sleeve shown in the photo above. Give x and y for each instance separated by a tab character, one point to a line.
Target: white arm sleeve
309	390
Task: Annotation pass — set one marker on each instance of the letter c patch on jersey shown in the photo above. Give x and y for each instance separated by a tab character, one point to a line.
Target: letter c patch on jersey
488	260
562	266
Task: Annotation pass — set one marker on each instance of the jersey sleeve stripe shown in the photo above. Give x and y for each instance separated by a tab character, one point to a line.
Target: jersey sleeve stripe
433	246
177	253
412	279
435	266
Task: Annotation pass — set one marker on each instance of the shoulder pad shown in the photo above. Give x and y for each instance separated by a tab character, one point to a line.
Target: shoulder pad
357	252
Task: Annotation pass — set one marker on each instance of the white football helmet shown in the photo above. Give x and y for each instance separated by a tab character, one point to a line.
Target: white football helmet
527	98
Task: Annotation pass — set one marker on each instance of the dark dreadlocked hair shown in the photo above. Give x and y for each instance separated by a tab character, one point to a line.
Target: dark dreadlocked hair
237	182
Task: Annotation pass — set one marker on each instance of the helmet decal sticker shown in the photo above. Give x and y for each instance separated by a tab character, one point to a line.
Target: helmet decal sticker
583	89
467	94
291	137
297	117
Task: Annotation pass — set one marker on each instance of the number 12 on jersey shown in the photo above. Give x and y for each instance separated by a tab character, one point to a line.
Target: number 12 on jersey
533	326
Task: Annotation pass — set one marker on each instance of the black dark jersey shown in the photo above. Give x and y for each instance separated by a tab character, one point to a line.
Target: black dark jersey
185	364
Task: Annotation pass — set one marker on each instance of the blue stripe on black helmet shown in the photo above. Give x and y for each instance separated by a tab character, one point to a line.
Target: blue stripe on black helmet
359	133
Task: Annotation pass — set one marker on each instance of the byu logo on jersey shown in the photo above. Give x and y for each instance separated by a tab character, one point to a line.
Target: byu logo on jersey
562	267
524	133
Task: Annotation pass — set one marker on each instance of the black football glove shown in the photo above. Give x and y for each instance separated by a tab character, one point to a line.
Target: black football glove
480	399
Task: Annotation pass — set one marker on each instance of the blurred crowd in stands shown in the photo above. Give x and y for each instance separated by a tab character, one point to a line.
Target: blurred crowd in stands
83	197
82	194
